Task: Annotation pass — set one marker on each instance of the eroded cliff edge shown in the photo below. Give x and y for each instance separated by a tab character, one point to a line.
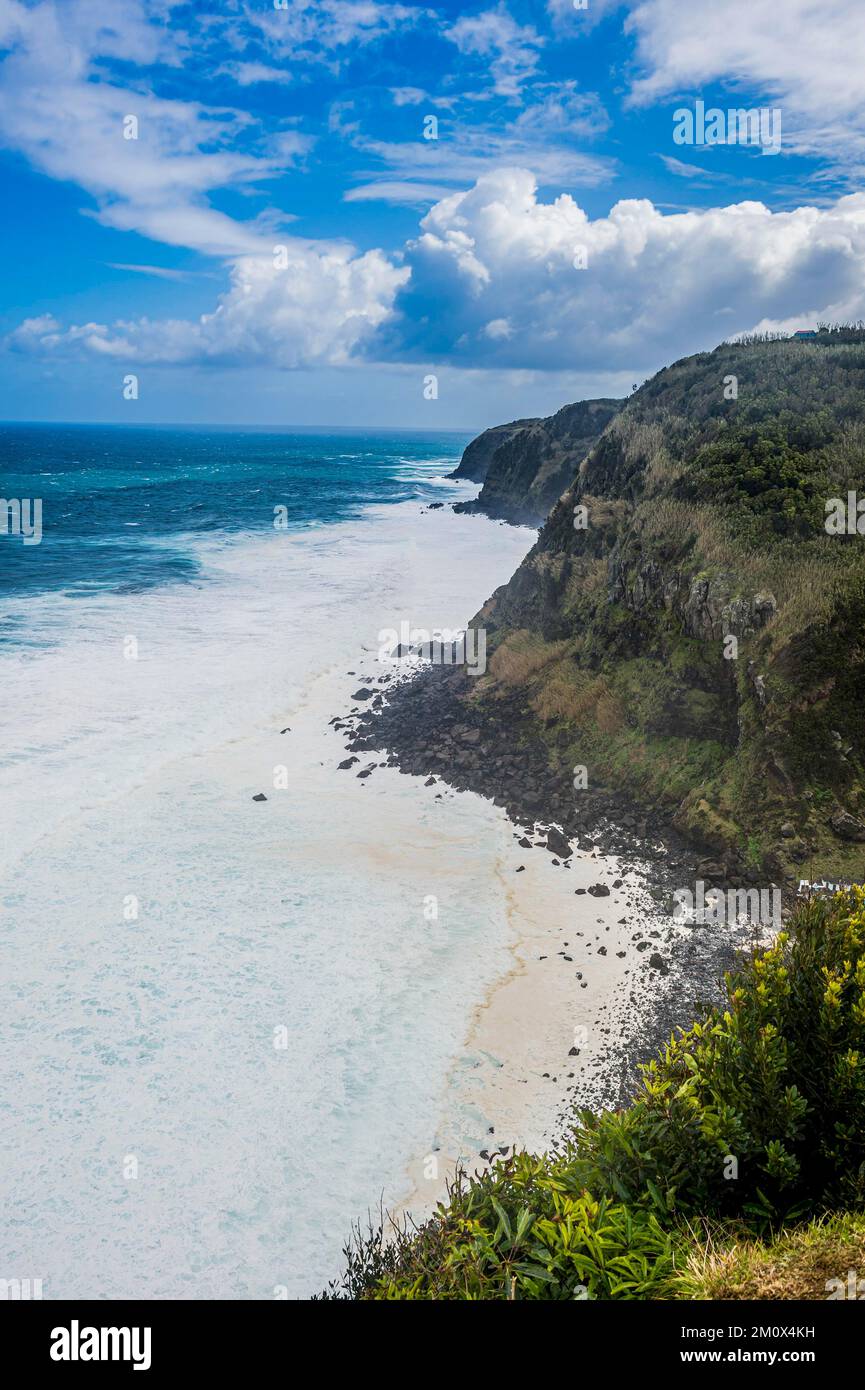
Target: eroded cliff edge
685	628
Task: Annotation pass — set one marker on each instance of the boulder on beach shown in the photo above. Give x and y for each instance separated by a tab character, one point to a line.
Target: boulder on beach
558	843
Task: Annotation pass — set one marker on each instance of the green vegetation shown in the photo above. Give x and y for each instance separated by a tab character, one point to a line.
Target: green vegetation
706	500
739	1164
807	1261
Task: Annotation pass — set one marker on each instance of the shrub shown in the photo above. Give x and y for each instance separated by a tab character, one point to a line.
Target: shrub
774	1079
528	1230
772	1089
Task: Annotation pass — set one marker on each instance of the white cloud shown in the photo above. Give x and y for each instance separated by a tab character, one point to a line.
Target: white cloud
408	96
683	170
71	127
498	328
512	48
490	282
414	96
397	192
552	138
322	306
316	30
248	74
655	286
808	59
158	271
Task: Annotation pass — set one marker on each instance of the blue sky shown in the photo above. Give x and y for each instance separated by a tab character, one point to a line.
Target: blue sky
280	243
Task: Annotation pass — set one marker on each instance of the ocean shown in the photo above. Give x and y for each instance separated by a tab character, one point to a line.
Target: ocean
226	1026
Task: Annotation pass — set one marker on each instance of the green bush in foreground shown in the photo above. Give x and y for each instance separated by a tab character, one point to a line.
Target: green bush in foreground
758	1111
755	1115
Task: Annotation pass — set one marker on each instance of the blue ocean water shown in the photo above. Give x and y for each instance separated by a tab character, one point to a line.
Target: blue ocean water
121	507
165	655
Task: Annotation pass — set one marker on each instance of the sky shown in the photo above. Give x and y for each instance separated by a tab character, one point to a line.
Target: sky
353	212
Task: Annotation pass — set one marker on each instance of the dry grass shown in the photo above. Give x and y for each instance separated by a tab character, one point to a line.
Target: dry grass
804	584
798	1264
579	699
560	698
592	575
605	511
522	655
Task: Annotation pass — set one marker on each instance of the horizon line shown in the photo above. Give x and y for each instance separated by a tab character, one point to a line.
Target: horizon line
216	425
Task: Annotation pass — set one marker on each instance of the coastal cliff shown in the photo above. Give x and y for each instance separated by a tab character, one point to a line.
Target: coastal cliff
532	466
685	629
680	657
478	454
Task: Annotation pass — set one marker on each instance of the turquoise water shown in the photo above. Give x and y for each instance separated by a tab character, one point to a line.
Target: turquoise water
167	655
121	508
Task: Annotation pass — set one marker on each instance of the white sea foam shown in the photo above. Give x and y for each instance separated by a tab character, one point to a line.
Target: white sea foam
153	1039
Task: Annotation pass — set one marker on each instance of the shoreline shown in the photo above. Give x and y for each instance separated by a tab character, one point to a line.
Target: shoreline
609	975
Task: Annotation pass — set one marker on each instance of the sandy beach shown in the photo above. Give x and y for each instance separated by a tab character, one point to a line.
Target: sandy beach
561	1029
576	981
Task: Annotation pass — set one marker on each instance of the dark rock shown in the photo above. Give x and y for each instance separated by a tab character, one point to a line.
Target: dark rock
599	890
558	843
847	827
259	796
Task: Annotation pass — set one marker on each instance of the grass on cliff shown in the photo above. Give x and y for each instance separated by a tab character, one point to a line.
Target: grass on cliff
706	518
809	1261
739	1164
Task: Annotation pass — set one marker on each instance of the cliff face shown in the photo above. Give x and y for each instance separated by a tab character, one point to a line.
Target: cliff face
478	455
686	629
531	467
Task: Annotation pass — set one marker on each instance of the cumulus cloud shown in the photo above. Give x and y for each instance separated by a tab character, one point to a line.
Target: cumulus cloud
497	278
299	306
654	286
